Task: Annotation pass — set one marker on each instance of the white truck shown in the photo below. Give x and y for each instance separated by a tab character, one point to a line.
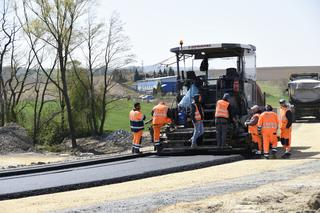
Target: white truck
304	94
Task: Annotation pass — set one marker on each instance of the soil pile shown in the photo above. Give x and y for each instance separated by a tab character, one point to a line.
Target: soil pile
14	139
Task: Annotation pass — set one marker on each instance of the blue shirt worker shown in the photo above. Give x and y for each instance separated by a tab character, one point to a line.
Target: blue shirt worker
197	117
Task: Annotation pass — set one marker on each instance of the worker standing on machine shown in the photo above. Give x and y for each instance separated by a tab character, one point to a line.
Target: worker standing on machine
159	118
285	123
268	126
197	119
223	114
253	128
137	125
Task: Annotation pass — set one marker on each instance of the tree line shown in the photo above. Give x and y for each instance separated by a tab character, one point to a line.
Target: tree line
59	64
161	73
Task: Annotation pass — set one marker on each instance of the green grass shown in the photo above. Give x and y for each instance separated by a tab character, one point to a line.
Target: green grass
274	90
118	114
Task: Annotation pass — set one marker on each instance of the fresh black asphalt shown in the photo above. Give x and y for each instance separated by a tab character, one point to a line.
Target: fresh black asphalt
106	173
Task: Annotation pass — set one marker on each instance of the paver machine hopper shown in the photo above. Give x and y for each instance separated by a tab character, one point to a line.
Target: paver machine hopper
223	68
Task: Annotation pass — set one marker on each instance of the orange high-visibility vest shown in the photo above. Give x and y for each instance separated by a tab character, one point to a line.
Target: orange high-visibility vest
268	121
160	114
283	121
197	114
254	129
136	120
222	109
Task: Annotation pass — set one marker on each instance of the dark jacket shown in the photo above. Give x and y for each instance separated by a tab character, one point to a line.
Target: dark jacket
290	118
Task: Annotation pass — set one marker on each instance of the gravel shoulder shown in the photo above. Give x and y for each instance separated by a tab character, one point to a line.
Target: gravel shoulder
170	192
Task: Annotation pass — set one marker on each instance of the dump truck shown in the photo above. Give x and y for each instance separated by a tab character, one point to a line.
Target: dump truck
215	69
304	95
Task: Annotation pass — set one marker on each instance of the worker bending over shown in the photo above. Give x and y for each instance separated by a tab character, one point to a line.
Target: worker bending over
137	125
197	119
159	118
253	127
268	126
285	123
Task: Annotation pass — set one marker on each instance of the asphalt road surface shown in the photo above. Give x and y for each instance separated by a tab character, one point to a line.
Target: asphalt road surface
107	173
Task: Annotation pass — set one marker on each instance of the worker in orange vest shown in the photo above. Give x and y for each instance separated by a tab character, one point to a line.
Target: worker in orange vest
253	127
223	114
268	126
159	118
285	123
137	125
197	116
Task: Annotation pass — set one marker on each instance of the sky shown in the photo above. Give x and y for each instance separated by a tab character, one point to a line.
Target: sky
285	32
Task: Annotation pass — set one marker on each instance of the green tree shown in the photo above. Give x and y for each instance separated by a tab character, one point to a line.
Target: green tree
165	72
136	76
54	24
171	72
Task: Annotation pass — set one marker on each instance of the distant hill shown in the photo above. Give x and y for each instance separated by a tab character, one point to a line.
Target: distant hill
282	73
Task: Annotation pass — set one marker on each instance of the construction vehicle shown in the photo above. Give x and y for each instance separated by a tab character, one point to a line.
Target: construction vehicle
304	95
236	77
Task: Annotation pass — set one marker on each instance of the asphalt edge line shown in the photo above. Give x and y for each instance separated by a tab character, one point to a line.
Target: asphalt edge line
225	160
67	165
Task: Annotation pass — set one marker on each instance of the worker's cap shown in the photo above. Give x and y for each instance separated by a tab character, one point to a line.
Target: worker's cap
255	108
226	96
282	101
269	107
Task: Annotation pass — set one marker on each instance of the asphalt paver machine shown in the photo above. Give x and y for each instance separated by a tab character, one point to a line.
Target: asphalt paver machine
215	69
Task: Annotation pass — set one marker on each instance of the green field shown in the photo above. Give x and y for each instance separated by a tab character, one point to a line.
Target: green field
274	90
118	114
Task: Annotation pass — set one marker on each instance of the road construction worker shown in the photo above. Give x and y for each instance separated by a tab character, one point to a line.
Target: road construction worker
253	127
285	123
159	118
137	125
268	126
223	114
197	115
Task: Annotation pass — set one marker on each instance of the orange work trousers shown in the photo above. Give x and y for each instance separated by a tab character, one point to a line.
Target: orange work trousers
286	134
137	138
269	138
156	133
257	139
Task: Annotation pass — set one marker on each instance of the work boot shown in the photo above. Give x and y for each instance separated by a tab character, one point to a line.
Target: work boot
157	147
286	155
137	151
